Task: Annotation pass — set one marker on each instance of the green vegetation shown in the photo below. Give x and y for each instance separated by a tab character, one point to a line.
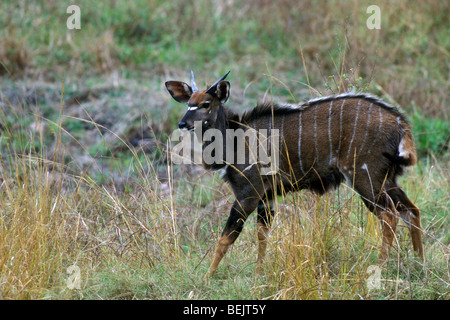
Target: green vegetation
86	181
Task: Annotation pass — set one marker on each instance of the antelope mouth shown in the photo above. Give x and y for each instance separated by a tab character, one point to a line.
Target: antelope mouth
182	125
189	129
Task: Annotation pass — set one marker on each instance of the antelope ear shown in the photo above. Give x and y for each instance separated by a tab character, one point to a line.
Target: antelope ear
180	91
223	91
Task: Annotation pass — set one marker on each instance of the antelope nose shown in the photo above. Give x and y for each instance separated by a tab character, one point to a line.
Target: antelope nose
181	124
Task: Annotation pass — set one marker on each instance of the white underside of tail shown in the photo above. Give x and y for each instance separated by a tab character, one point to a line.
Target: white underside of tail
402	152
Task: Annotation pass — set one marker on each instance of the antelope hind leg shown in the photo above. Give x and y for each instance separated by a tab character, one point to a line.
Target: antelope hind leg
411	215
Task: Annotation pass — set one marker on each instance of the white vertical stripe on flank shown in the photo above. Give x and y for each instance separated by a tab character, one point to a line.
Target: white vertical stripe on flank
340	126
300	142
315	134
354	128
378	131
367	128
329	131
281	134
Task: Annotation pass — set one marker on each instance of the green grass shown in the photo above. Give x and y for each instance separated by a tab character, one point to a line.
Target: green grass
406	58
432	135
85	178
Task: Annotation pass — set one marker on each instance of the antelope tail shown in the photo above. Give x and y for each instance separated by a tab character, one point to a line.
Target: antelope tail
406	154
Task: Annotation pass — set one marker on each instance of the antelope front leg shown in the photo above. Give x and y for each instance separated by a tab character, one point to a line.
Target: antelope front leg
230	233
222	247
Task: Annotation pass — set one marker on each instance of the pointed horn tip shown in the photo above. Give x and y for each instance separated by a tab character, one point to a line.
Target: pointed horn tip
213	87
226	74
193	84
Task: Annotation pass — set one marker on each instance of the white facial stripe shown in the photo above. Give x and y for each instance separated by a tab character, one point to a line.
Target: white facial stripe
195	108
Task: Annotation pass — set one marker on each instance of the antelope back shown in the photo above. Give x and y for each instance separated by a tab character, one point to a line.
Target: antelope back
323	140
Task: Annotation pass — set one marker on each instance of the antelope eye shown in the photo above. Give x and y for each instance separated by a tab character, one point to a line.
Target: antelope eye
205	105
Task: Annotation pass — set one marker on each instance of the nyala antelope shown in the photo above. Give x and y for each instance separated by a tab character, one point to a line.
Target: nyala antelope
349	137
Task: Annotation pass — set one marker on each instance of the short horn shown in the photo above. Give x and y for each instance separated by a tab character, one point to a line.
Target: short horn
193	84
212	89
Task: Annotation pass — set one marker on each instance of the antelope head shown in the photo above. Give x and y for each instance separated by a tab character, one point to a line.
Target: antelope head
202	105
